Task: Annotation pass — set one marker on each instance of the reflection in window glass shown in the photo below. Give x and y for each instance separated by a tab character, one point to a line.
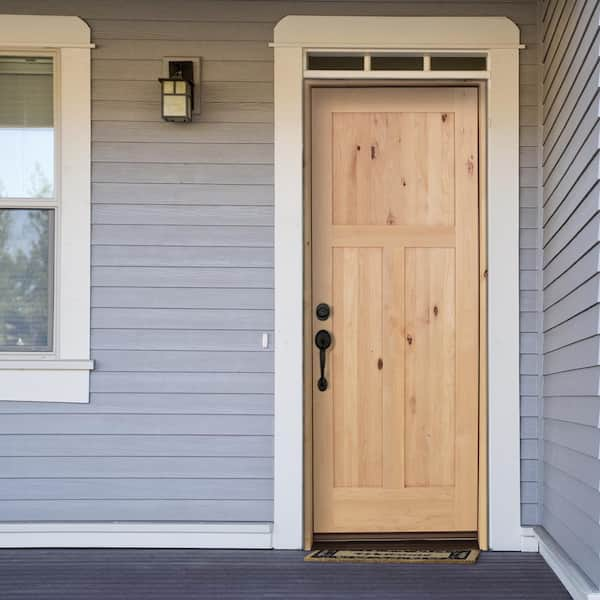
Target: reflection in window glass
26	127
390	62
26	250
458	63
335	62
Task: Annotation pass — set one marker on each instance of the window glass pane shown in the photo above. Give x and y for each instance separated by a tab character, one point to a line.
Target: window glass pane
26	127
335	62
390	62
26	260
458	63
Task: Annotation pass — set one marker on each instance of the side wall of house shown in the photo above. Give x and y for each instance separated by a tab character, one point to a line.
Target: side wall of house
179	426
571	279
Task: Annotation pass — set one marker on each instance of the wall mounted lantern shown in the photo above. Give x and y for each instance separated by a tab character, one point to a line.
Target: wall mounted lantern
177	92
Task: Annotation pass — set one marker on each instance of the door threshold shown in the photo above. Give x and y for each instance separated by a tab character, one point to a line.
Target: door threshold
396	541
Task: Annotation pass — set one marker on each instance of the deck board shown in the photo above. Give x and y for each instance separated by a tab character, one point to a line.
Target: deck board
235	574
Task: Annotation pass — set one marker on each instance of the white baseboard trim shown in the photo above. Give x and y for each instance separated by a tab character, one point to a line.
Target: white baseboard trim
529	541
571	576
136	535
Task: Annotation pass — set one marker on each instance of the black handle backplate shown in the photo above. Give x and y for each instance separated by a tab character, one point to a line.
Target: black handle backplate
322	342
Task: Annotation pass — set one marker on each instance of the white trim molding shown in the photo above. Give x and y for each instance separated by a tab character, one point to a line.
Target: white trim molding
498	39
571	576
135	535
61	375
37	31
529	541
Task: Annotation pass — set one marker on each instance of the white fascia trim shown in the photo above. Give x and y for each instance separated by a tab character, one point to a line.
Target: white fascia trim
135	535
571	576
498	38
63	375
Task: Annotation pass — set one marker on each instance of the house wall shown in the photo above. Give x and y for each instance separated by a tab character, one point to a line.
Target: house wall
571	279
179	426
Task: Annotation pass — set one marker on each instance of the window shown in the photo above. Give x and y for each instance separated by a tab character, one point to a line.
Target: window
45	127
26	279
26	176
394	61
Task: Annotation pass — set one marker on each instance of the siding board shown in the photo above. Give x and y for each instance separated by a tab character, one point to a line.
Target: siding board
139	489
162	467
212	112
152	339
152	403
137	510
189	194
192	133
150	256
142	214
183	383
180	361
173	298
84	444
128	152
183	277
137	424
181	235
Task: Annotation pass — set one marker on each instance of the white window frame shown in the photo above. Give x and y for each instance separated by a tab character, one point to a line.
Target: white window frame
61	374
498	39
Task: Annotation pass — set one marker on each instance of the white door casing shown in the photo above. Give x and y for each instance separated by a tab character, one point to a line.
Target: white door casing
498	39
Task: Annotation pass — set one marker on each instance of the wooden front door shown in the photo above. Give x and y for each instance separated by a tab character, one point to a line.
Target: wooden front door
395	255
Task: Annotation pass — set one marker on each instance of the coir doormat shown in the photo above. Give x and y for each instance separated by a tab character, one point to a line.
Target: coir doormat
467	556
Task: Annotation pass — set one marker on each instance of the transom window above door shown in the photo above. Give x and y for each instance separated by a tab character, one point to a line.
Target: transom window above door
394	62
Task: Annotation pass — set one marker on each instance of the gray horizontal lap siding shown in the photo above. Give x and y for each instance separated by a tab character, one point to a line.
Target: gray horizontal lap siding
180	422
571	279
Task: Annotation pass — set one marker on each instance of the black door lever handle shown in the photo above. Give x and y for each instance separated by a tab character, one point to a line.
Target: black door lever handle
322	342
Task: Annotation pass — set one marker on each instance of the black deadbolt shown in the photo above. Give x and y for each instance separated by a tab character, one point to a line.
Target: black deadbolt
323	311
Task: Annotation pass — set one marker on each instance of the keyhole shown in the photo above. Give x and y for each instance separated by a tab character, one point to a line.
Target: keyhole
409	339
435	311
380	364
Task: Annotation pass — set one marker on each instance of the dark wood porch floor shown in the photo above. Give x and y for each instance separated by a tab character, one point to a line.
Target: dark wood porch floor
178	574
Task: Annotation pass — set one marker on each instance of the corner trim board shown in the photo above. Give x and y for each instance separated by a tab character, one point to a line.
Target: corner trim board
135	535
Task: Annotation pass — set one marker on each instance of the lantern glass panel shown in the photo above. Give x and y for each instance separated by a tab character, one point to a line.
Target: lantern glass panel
180	87
175	106
168	87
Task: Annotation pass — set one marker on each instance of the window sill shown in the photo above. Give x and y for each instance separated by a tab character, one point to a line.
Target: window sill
49	380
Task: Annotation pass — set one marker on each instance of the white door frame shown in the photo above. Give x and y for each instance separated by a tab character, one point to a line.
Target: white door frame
498	39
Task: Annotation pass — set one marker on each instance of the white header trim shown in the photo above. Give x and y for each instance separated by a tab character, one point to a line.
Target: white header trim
36	31
400	33
498	38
